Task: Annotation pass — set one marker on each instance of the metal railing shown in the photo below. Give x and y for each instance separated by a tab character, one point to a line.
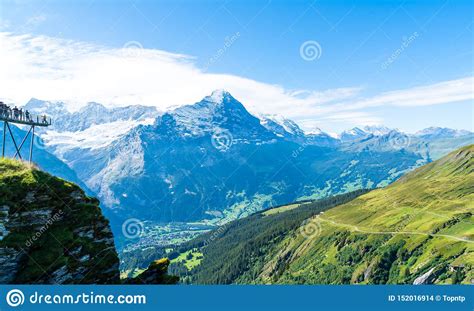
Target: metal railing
21	116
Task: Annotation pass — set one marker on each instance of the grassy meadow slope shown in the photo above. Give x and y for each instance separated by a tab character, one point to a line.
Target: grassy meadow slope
418	230
236	251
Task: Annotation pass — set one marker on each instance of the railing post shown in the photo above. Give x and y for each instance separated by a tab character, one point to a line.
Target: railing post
4	133
32	142
23	140
14	142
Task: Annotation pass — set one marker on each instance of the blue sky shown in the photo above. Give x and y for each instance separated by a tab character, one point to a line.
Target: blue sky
377	56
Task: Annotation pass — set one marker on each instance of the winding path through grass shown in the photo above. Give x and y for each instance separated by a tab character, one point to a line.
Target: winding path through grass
357	229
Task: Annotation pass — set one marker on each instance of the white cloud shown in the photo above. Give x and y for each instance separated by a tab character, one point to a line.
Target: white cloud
358	117
78	72
4	24
34	21
439	93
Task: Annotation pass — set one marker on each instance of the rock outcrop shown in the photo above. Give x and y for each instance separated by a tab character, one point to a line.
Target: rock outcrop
423	279
52	233
156	273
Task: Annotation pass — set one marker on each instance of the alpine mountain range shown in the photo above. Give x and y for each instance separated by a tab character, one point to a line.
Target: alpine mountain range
213	162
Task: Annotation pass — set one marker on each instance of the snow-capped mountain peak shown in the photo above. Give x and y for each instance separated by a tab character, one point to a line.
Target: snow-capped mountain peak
93	106
440	132
50	108
377	130
280	125
218	96
218	111
353	134
357	133
316	131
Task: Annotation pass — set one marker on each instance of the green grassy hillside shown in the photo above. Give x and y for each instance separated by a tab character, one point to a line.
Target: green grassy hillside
420	229
235	252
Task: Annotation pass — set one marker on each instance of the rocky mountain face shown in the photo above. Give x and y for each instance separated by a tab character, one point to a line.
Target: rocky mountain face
214	161
214	158
52	233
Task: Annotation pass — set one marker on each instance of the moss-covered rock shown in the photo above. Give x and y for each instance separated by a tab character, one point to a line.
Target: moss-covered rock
52	233
155	274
